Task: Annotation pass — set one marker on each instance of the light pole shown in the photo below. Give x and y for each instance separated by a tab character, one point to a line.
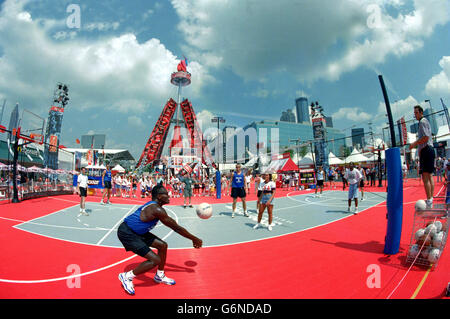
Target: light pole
218	120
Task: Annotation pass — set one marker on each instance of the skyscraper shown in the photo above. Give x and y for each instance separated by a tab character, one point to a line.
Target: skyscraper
358	137
302	109
288	116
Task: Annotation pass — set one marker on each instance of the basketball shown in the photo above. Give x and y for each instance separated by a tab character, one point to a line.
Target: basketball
204	210
425	253
414	250
419	233
431	229
438	225
437	239
434	255
420	205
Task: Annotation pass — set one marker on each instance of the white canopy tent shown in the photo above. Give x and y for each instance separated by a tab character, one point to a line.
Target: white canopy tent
333	160
118	168
306	160
356	157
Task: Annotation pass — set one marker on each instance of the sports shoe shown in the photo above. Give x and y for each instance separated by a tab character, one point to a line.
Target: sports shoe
108	202
164	280
269	227
256	226
83	212
232	215
356	211
101	202
245	214
429	203
349	210
127	284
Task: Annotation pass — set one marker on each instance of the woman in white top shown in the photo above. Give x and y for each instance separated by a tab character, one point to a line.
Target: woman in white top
82	185
248	180
118	183
266	199
224	185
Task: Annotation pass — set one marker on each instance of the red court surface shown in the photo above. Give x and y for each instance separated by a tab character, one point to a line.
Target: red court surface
334	261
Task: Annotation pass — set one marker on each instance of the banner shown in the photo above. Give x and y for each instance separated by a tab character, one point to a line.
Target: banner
52	137
318	125
404	130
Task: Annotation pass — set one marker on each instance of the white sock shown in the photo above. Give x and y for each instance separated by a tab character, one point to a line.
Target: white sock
130	275
160	273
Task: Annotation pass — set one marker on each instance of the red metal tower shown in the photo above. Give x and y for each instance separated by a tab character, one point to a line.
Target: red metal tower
154	147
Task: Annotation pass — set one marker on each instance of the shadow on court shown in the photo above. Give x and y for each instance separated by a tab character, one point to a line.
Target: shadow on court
373	247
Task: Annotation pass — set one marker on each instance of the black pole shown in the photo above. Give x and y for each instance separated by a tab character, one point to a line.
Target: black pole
388	109
15	159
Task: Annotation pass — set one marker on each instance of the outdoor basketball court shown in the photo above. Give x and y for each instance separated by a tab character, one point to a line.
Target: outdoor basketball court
291	214
320	250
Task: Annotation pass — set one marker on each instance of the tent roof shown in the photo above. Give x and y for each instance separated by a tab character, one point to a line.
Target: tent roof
333	160
118	168
356	157
115	154
306	160
282	165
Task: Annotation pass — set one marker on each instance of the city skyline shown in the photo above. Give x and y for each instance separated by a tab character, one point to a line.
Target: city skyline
117	58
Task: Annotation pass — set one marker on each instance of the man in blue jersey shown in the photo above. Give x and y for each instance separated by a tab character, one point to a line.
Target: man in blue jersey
238	189
106	182
134	234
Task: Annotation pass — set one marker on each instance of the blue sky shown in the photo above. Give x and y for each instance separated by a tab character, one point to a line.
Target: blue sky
249	60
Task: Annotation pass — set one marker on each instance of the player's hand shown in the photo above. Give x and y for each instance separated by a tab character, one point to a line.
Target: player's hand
197	243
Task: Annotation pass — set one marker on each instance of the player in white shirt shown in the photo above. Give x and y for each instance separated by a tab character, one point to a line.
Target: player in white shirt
266	200
82	186
353	176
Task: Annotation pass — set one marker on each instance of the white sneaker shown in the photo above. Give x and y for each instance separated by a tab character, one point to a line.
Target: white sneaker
256	226
127	284
356	211
164	280
101	202
245	214
83	212
108	202
269	227
232	215
429	203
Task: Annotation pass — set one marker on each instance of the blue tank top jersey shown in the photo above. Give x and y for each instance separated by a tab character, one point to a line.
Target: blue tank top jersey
136	224
108	176
238	180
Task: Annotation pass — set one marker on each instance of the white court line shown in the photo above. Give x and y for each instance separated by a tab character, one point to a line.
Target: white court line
86	273
120	221
48	225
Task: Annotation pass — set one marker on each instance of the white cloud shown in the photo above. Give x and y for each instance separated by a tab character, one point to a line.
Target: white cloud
352	113
312	39
116	73
439	85
400	108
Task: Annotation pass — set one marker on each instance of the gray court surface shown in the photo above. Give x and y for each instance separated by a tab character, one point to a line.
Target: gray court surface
291	214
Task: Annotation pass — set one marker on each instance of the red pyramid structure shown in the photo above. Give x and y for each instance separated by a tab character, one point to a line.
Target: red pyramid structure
153	149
